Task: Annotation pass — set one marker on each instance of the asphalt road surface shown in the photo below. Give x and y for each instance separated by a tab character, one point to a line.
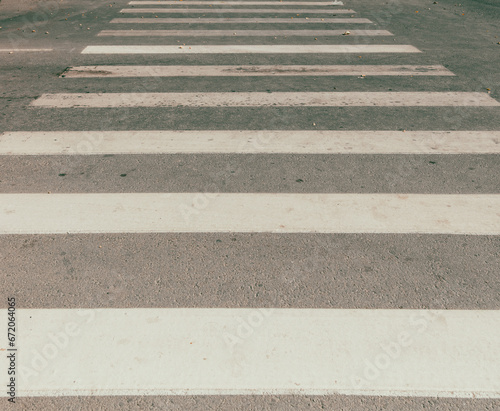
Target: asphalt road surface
250	205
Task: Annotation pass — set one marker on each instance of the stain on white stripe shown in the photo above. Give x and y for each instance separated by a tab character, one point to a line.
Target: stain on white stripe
246	212
246	11
259	99
277	70
239	33
23	50
269	20
249	141
252	49
233	3
245	351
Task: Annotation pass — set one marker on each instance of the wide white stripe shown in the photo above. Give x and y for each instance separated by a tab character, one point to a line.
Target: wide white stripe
269	20
234	3
196	351
249	141
251	49
239	33
277	70
246	11
153	2
209	2
259	99
244	212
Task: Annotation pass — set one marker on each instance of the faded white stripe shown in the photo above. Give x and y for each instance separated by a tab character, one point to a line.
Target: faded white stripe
246	11
233	3
243	212
23	50
153	2
242	351
277	70
268	20
240	33
252	49
249	141
259	99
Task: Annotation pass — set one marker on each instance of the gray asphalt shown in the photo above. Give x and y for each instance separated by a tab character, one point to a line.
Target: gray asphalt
252	270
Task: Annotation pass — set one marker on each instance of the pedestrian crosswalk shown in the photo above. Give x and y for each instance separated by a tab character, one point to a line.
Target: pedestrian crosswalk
274	349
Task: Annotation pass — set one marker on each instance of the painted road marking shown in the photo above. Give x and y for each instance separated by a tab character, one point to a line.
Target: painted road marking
23	50
249	212
240	33
277	70
251	49
249	141
233	3
256	351
259	99
246	11
269	20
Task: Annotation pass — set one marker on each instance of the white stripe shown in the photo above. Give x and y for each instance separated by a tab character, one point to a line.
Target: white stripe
246	11
209	2
269	20
239	33
277	70
249	141
234	3
251	49
259	99
255	351
243	212
22	50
